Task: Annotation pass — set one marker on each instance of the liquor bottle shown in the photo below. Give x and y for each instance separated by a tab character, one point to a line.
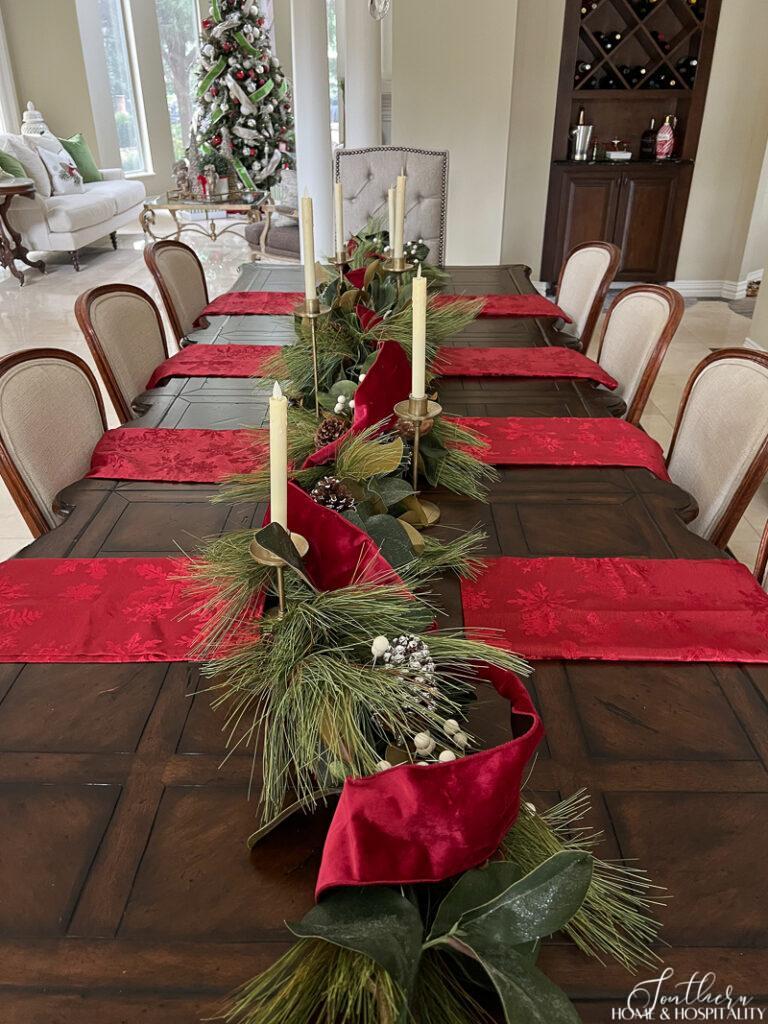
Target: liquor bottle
583	67
665	139
648	142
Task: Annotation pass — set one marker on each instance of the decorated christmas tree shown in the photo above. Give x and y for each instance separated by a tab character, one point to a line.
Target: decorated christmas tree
243	116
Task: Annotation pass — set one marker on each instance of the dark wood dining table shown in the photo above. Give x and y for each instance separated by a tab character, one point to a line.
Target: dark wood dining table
127	893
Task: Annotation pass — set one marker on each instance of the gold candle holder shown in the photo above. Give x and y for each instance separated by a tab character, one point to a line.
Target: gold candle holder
397	265
340	261
417	411
312	310
266	557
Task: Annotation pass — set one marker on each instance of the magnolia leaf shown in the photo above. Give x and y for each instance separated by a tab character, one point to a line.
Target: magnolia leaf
329	292
347	300
474	889
371	271
525	993
378	922
323	273
326	400
363	459
537	905
391	489
370	360
417	541
391	538
406	295
278	541
343	387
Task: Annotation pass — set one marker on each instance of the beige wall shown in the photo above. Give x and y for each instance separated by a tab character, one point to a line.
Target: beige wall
451	85
282	12
534	97
48	67
731	148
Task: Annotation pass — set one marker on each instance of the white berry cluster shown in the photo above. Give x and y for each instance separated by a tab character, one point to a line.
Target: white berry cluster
344	404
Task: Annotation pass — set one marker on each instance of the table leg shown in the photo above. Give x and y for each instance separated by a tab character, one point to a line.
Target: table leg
11	248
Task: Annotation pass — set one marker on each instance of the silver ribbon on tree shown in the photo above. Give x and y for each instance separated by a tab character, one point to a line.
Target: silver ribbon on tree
235	89
269	168
231	22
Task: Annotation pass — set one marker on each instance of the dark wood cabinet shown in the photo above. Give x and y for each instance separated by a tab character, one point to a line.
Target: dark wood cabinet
623	62
639	208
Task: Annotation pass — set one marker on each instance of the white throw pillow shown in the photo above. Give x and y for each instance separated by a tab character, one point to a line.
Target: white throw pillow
45	141
28	156
66	180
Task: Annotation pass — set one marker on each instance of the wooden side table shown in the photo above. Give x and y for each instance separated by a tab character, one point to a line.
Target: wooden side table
11	246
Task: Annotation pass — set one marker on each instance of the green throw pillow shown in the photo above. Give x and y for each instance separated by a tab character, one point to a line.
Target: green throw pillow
11	165
81	153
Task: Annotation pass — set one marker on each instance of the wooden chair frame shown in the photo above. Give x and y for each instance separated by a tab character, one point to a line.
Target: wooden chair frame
150	258
757	469
32	512
761	563
606	281
676	309
123	405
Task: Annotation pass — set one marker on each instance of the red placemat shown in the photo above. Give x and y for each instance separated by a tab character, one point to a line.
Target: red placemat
177	456
548	361
214	361
95	609
422	824
529	304
621	609
565	441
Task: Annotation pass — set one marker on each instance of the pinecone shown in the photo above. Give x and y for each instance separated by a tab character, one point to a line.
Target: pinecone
331	492
407	428
331	429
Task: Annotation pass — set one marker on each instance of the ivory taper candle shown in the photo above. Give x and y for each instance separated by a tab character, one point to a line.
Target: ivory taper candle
278	457
419	343
338	202
308	243
399	217
391	211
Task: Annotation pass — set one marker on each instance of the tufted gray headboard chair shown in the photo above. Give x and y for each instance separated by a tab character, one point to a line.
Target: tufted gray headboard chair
366	174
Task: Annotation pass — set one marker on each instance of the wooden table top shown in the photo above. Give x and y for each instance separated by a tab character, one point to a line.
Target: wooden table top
127	891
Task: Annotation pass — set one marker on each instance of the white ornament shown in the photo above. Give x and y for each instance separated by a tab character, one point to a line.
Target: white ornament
209	50
251	87
259	69
461	739
423	744
274	62
232	61
379	646
251	122
447	755
382	766
351	403
341	400
247	64
361	378
338	408
208	97
450	727
269	107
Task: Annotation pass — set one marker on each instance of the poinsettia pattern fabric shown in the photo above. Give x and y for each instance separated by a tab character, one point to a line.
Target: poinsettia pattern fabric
547	361
528	304
565	441
214	361
178	456
95	610
620	609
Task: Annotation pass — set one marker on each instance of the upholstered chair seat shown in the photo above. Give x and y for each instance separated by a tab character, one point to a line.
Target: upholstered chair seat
367	174
585	278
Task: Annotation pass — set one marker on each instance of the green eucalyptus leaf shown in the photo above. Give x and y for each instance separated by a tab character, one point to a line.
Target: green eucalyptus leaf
525	993
391	538
378	922
353	515
369	362
326	400
537	905
391	489
474	889
277	540
343	387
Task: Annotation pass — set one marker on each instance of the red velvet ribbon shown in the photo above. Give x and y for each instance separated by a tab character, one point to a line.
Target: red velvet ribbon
621	609
547	361
214	361
177	456
565	441
386	383
415	823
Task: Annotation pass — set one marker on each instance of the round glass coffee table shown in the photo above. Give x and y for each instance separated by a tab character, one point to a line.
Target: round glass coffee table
203	216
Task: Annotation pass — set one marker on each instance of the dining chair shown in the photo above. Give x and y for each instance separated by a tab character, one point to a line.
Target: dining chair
367	174
719	448
124	331
639	325
585	277
51	418
761	563
180	278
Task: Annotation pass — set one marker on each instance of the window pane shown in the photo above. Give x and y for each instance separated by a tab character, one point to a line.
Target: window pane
121	85
179	40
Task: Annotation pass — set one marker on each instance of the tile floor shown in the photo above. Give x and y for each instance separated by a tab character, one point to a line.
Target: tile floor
41	314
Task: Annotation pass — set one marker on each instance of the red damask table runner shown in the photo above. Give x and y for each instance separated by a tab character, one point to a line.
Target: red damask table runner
214	361
548	361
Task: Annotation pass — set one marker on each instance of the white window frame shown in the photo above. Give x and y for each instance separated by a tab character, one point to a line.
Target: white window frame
9	101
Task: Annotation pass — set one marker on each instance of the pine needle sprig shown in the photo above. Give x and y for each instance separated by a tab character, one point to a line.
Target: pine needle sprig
457	468
615	919
443	321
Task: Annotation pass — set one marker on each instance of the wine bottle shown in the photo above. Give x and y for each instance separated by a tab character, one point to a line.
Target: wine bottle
583	67
665	139
661	41
648	141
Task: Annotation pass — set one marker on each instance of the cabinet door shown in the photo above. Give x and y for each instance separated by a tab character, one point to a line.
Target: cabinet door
646	223
583	205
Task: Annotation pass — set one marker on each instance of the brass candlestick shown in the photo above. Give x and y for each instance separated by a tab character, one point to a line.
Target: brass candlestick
266	557
397	265
417	411
312	310
340	261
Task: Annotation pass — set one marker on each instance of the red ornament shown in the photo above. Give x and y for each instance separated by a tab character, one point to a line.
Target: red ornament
207	23
240	75
286	167
262	81
216	140
226	47
259	22
214	90
252	73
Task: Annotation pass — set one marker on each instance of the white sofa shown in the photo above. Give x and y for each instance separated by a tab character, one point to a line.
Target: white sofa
67	223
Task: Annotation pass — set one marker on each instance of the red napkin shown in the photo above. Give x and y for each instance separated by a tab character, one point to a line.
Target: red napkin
621	609
415	824
177	456
214	361
547	361
95	610
529	304
565	441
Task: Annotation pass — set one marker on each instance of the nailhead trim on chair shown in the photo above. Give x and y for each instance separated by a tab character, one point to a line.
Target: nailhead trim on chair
409	149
